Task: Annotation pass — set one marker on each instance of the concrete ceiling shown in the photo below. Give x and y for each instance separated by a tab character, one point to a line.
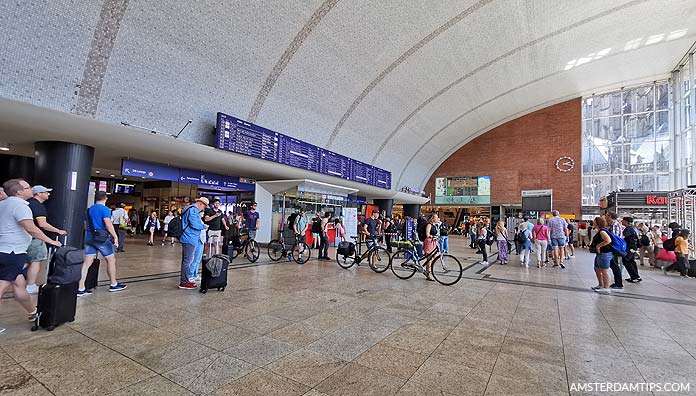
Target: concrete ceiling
400	85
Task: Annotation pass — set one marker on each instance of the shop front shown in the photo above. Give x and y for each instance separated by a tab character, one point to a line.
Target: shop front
644	206
461	199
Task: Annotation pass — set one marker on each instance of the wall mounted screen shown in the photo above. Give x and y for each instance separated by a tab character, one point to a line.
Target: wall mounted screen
463	190
241	137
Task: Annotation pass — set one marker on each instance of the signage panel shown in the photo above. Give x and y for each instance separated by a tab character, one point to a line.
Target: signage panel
149	170
242	137
463	190
464	200
163	172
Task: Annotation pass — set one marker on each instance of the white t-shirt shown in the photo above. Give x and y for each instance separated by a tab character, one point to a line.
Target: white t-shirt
501	236
166	221
118	215
13	237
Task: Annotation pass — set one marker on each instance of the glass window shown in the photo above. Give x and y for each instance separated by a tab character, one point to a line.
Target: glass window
686	111
662	96
608	129
639	127
638	100
662	182
663	151
641	157
662	125
587	108
607	105
686	77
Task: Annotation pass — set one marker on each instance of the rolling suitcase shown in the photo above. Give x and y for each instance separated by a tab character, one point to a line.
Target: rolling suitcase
218	263
92	275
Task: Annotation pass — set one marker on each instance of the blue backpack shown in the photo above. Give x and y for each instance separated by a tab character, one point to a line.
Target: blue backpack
618	245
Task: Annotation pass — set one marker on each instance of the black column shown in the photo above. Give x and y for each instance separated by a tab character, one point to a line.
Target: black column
412	210
65	167
385	205
16	167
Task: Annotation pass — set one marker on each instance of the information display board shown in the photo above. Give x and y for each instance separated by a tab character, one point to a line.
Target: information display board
163	172
463	190
241	137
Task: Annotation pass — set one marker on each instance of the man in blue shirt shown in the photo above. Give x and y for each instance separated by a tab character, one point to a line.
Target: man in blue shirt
100	237
191	240
557	229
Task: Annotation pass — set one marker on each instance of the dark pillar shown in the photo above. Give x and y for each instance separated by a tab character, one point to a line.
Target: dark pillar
412	210
65	167
385	205
16	167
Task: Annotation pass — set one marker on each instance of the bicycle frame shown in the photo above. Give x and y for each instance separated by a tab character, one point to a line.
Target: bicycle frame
432	255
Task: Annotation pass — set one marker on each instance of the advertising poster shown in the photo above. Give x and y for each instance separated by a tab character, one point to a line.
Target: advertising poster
351	221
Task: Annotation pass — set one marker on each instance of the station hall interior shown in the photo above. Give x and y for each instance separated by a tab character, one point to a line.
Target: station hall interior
337	198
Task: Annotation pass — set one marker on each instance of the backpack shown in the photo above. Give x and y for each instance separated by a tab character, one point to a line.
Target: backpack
345	248
290	222
316	226
444	229
521	237
175	228
490	237
618	245
66	266
644	240
420	228
670	244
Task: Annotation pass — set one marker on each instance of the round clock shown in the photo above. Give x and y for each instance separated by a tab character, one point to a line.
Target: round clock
565	164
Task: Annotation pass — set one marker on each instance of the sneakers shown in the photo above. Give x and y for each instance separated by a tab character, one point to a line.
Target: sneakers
32	316
32	289
117	287
664	271
562	266
187	286
2	330
85	292
603	291
595	288
616	288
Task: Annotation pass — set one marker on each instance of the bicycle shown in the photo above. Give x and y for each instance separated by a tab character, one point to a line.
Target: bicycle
445	269
300	251
249	246
377	256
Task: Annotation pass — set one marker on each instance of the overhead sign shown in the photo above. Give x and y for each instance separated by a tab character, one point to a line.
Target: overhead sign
163	172
463	190
242	137
149	170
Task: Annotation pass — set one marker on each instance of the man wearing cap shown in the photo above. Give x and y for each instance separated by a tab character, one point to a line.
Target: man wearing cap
191	240
37	251
119	218
630	234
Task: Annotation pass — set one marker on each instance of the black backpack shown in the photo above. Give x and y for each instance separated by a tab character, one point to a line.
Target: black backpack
175	228
316	225
644	240
290	222
670	244
444	229
422	224
521	237
490	237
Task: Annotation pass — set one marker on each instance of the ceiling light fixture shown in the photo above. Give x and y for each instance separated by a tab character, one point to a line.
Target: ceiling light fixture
4	146
97	171
112	175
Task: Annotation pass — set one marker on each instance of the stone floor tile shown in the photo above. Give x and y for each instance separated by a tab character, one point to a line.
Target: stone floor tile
224	337
503	386
306	367
412	388
298	334
212	372
418	337
534	351
155	386
532	371
263	324
393	361
261	351
479	357
357	380
350	341
101	380
262	383
451	378
170	356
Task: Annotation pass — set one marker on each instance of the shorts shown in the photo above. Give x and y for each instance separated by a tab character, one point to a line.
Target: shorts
571	239
37	250
558	242
12	265
252	234
215	234
315	236
603	260
106	249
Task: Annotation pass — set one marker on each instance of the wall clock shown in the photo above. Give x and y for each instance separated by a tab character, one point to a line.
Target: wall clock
565	164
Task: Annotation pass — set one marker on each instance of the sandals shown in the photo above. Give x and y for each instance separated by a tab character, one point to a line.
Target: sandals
32	316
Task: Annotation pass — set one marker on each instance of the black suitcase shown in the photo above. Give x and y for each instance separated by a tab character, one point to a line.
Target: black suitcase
692	269
56	305
210	282
92	275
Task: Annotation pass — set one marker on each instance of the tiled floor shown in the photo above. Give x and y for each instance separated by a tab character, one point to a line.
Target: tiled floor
316	329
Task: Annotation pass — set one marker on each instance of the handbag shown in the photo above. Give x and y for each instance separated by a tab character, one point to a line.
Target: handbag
98	236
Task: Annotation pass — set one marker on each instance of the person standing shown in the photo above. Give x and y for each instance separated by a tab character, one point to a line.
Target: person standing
583	238
190	240
316	231
167	219
481	237
444	236
601	246
570	248
616	266
682	249
100	237
524	239
370	229
630	235
300	224
17	228
252	221
214	217
645	243
557	232
540	237
152	224
656	237
119	219
37	251
501	235
324	245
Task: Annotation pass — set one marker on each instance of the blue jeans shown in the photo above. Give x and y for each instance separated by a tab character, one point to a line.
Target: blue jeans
444	244
197	259
188	254
603	260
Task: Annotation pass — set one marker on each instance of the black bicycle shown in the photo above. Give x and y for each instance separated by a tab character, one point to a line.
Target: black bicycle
249	247
299	251
377	256
445	269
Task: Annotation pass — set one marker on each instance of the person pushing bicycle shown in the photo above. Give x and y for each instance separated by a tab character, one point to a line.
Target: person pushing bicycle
371	229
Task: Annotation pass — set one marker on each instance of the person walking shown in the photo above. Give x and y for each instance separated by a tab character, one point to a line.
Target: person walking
252	223
190	240
17	228
630	235
37	252
656	238
430	244
523	239
617	230
165	229
646	248
300	225
601	246
481	237
100	237
583	237
682	250
557	233
540	238
152	224
502	238
119	219
570	248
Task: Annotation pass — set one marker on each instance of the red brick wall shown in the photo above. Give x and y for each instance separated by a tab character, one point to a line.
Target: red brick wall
540	137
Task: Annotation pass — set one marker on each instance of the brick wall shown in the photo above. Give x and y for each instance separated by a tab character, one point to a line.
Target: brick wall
521	155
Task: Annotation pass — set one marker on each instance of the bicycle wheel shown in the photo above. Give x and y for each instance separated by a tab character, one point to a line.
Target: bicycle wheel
345	261
234	252
379	259
275	250
402	264
447	270
252	251
301	253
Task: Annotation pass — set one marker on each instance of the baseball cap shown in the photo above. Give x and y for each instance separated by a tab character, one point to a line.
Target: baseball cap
123	204
253	203
40	189
628	219
204	200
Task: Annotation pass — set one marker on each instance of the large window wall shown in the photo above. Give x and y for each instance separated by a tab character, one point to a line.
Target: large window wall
626	141
684	120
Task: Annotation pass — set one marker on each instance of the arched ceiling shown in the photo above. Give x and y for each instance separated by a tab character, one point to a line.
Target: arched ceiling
401	85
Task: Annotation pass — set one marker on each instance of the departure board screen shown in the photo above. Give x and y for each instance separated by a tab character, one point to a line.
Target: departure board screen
241	137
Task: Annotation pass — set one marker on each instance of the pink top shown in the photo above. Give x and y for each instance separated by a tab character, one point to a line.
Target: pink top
540	232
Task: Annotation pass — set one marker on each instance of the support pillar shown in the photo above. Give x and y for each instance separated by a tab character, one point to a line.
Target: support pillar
65	167
412	210
384	205
16	167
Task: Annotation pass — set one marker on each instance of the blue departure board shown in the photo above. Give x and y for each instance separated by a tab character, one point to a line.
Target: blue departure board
241	137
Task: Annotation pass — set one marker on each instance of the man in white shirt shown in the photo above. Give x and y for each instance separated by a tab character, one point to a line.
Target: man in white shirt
118	217
17	227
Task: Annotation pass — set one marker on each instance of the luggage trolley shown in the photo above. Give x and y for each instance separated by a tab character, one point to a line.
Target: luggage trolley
682	210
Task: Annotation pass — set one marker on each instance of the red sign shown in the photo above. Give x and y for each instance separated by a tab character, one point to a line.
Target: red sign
655	200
